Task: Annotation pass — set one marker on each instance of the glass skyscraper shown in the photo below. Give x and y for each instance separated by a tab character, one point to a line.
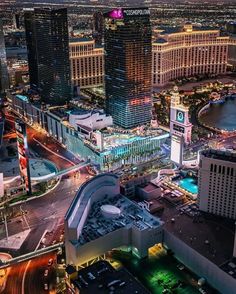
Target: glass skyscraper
128	62
98	27
4	77
48	54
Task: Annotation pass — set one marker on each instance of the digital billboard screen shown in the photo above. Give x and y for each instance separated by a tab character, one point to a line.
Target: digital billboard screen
22	148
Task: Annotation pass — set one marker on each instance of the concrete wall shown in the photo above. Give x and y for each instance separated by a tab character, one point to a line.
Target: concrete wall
126	236
85	253
200	265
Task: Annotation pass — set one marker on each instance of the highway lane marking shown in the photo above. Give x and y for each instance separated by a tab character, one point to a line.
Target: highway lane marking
23	280
26	268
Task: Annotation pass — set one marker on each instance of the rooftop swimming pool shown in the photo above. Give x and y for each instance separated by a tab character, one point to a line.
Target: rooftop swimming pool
189	184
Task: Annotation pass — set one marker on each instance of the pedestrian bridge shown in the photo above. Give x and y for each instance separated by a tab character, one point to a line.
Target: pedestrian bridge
52	175
61	172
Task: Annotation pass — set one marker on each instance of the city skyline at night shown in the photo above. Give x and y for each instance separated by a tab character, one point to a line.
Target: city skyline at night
117	147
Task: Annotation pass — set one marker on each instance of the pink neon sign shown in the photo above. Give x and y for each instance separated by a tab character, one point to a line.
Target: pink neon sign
116	14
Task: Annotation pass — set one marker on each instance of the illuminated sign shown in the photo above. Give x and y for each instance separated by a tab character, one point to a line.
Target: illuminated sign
121	13
180	116
1	129
116	14
178	128
136	12
1	185
22	148
140	101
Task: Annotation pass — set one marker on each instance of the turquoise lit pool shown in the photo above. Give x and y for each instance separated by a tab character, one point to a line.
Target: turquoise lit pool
189	184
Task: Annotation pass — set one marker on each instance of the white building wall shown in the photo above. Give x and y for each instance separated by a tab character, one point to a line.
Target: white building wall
96	189
200	265
1	185
95	121
217	186
100	246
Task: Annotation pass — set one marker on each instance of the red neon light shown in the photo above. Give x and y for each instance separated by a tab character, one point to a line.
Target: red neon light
140	101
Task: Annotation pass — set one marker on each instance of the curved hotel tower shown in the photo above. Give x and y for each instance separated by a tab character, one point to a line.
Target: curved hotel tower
188	52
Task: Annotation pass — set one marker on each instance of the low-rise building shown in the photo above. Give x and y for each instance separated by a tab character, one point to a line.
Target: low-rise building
101	219
149	191
101	277
108	148
93	119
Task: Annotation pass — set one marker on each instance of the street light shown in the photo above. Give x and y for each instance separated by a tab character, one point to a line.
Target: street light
24	217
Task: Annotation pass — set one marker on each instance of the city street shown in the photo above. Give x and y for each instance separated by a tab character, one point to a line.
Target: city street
44	214
44	217
46	147
28	277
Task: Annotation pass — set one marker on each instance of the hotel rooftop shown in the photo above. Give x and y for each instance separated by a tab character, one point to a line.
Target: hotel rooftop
111	214
220	155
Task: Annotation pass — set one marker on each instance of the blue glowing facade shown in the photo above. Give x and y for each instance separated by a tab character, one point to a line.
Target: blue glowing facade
132	149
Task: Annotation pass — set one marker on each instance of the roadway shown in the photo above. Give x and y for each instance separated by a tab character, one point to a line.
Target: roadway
45	214
42	146
28	277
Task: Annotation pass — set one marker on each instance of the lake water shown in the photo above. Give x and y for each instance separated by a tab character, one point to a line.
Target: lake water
221	115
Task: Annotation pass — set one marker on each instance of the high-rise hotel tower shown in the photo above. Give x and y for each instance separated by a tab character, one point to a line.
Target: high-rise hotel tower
128	66
217	183
48	54
4	78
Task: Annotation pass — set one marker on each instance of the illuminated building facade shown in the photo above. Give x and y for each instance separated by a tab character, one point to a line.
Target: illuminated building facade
101	219
179	118
128	58
48	54
86	63
98	27
217	183
108	150
188	52
23	154
232	52
1	127
4	79
180	127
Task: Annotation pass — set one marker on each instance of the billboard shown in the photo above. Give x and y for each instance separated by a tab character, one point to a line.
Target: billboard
178	128
1	129
176	155
1	185
22	148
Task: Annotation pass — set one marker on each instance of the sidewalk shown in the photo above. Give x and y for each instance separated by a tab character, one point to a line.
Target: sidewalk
38	168
15	241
